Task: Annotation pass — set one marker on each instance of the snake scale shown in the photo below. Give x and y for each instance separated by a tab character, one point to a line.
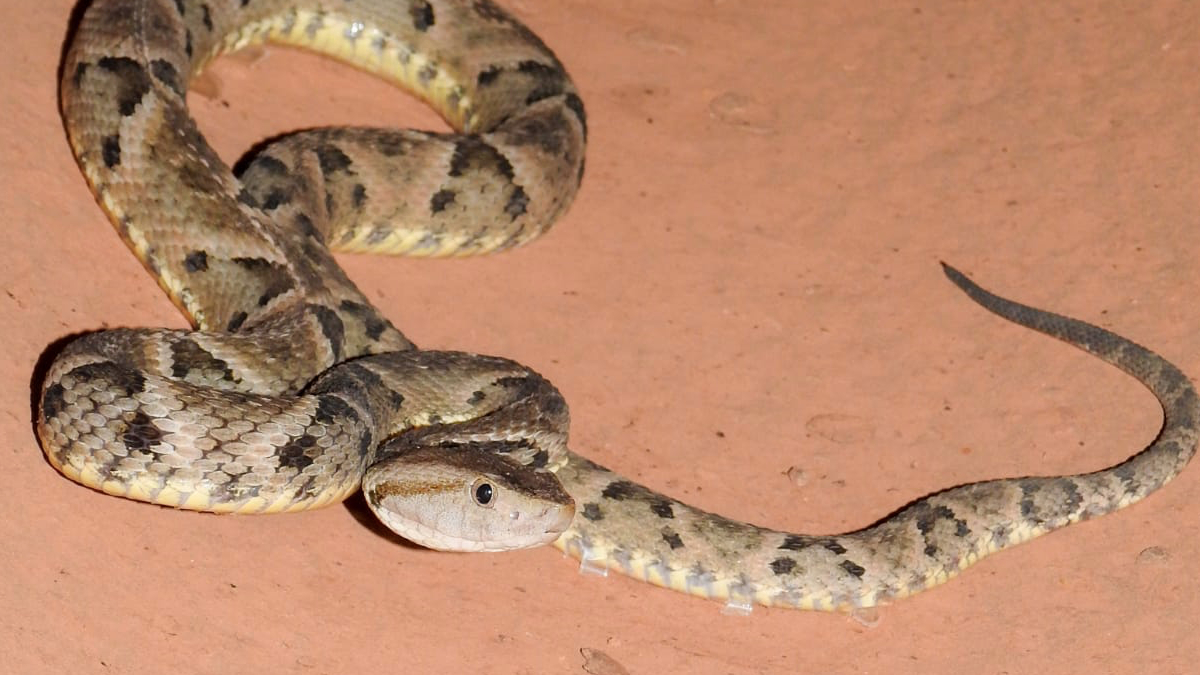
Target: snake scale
293	391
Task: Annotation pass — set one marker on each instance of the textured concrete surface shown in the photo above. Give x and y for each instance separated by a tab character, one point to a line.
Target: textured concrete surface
747	284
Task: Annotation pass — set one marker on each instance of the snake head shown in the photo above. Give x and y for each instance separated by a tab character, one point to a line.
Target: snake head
467	500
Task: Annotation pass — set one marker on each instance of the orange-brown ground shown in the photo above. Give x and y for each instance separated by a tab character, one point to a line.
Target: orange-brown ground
747	283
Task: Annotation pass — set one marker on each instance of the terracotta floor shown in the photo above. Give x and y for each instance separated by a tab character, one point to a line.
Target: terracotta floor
748	283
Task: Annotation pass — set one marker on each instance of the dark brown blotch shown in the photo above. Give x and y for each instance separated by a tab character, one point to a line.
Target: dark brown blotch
275	198
591	511
164	71
359	386
331	326
332	159
422	15
52	401
487	76
662	508
927	517
333	410
619	489
110	150
517	203
372	324
253	264
853	568
305	225
782	566
80	72
794	542
551	81
129	381
520	387
269	165
473	153
188	357
550	132
140	433
490	10
196	261
575	105
194	175
672	539
273	291
236	321
1126	472
294	455
132	82
441	199
834	547
538	70
1069	502
247	198
392	144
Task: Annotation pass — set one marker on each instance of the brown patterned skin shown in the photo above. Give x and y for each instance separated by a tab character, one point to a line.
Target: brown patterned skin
294	387
212	419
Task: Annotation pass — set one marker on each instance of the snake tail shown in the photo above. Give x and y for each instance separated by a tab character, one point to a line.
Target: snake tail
625	527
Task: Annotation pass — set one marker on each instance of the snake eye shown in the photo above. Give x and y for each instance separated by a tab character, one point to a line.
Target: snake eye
484	493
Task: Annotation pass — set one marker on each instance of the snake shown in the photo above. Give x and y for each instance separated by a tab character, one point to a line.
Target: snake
292	392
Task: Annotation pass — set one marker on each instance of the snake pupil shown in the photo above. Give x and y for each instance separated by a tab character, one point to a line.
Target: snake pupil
483	494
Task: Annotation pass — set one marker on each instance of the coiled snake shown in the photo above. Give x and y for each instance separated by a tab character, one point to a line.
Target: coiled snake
293	391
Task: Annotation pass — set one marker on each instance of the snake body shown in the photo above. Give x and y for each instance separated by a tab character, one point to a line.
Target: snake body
293	391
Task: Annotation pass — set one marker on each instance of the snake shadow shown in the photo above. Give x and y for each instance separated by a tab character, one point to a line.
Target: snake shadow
356	504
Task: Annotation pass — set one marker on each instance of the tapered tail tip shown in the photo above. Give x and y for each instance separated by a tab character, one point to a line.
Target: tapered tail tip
960	279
